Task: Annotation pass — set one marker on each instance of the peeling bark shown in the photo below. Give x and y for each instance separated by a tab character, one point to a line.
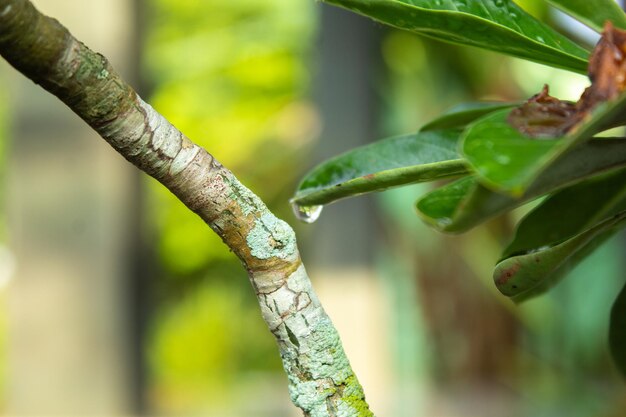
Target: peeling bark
321	381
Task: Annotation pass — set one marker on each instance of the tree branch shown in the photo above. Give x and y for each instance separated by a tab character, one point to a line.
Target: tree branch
321	381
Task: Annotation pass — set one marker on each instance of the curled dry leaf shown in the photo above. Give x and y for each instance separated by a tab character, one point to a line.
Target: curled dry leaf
607	69
544	116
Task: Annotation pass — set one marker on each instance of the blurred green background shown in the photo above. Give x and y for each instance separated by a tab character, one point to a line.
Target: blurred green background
119	301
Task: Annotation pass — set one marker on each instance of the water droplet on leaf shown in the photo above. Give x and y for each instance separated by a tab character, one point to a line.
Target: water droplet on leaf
444	222
306	214
503	159
539	249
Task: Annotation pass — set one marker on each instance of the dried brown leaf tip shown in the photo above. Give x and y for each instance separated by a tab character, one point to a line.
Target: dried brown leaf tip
607	68
543	116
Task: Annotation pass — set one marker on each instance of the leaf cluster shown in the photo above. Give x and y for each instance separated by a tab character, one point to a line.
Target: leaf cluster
503	155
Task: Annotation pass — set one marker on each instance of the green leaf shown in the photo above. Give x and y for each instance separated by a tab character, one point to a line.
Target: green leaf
525	276
617	331
559	233
497	25
463	114
593	13
509	161
569	212
418	157
466	203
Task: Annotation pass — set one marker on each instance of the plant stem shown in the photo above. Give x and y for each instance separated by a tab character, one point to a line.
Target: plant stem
321	381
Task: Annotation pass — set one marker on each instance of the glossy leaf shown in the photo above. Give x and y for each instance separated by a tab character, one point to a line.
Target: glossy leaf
509	161
423	156
617	332
525	276
558	233
497	25
593	13
569	212
464	114
466	203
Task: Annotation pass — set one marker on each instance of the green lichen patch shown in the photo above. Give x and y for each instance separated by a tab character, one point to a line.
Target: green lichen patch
325	357
354	398
307	396
326	378
246	199
271	237
102	74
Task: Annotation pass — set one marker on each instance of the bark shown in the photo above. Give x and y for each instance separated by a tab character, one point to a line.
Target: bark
321	381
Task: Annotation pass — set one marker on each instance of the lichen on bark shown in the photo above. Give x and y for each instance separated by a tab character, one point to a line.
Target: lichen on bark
271	237
322	383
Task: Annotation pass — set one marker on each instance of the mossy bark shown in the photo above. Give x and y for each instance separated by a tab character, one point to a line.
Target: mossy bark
322	382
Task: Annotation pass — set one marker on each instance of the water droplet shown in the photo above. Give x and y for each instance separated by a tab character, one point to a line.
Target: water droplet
535	250
499	3
513	15
540	39
503	159
444	222
306	214
438	2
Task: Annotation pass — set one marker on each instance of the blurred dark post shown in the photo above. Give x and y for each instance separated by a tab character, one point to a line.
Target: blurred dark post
344	91
140	259
341	252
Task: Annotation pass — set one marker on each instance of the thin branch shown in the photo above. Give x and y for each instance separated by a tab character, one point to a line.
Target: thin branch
321	381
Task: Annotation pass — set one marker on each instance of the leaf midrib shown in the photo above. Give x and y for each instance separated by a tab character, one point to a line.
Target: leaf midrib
519	33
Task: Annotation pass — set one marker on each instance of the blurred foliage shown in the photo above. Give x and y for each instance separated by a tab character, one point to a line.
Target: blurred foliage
537	8
203	344
550	354
236	88
4	118
5	254
233	77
